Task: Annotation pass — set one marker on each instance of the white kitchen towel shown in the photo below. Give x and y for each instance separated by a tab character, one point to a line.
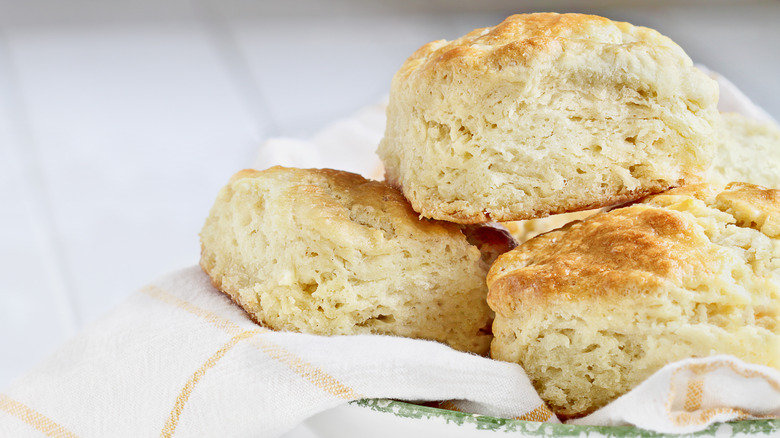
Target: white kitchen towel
683	396
178	358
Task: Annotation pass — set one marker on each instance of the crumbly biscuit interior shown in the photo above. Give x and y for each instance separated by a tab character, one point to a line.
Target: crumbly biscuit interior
748	150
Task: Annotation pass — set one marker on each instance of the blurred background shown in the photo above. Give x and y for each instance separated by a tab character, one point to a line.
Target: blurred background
120	120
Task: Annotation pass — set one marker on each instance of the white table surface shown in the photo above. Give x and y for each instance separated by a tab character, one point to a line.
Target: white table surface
119	121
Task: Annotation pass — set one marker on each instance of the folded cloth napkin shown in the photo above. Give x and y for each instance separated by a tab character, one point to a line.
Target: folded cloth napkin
179	358
687	395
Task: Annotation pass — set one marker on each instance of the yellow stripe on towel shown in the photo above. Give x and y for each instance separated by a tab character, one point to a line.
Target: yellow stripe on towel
184	395
40	422
540	414
313	374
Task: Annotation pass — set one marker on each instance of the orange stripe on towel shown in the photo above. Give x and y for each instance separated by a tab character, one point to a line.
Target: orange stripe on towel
230	327
184	395
313	374
540	414
40	422
694	395
695	392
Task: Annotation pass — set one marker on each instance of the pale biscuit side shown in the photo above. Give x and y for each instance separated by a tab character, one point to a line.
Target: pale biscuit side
748	150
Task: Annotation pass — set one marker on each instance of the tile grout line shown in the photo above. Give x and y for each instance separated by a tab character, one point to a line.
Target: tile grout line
246	87
35	196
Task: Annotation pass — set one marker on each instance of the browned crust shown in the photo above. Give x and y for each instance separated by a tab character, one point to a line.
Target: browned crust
426	209
628	251
517	40
334	192
610	254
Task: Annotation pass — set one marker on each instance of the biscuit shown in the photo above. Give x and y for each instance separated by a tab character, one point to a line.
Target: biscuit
543	114
328	252
525	230
748	150
594	308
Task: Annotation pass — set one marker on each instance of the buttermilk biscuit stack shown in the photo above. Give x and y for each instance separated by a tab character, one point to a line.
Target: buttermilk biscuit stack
544	114
549	113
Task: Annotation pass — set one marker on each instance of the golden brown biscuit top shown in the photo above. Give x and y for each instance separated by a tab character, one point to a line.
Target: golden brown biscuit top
521	38
750	205
344	204
338	198
631	250
593	257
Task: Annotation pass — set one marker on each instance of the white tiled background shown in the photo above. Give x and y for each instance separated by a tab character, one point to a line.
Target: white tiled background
120	120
